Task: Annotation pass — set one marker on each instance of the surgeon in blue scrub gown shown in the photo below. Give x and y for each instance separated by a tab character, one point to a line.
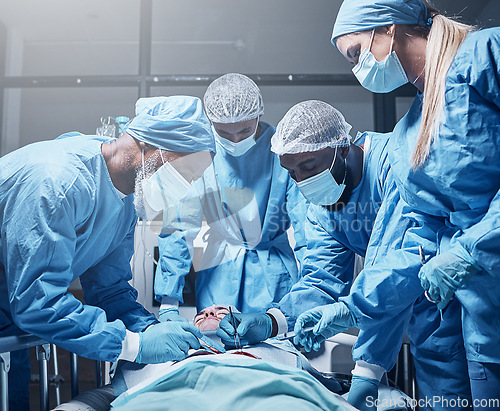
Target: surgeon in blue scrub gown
248	262
356	209
446	163
66	212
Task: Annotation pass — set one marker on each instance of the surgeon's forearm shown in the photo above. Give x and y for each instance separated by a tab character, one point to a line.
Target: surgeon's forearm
84	330
380	293
175	262
482	240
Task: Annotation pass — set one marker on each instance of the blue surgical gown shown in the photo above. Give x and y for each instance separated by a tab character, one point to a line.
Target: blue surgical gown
334	238
459	183
61	218
248	261
376	224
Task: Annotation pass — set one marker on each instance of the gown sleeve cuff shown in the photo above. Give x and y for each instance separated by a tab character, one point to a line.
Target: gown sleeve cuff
364	369
168	302
464	254
280	319
130	347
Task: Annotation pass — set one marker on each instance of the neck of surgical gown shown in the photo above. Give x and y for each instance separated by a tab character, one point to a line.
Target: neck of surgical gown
60	219
247	259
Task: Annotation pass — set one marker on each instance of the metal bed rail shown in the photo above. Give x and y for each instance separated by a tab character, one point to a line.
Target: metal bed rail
19	342
43	349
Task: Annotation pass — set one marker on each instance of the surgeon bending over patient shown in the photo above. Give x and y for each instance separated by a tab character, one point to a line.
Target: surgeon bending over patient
356	209
248	261
67	212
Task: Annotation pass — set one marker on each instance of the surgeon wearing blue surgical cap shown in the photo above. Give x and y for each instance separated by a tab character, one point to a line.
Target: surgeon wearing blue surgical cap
445	153
67	212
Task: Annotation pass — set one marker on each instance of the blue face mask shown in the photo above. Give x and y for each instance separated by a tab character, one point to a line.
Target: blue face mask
322	189
239	148
380	76
165	188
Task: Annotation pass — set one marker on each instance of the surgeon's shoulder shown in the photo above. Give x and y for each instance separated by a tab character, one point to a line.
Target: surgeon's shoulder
479	51
60	178
376	139
61	171
375	145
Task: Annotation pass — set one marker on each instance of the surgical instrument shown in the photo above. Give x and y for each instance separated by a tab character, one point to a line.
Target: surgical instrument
237	341
422	260
421	252
289	335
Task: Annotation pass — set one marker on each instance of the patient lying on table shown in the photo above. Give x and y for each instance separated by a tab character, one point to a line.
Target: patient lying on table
270	375
267	375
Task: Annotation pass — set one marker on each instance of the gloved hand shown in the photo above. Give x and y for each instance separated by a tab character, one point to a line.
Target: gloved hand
444	274
171	314
251	328
327	320
363	393
167	342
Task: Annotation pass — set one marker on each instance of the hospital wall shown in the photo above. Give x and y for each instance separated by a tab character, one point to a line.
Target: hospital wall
192	37
96	38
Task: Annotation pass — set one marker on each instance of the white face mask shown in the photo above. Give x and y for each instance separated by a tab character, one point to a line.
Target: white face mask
239	148
380	76
165	188
322	189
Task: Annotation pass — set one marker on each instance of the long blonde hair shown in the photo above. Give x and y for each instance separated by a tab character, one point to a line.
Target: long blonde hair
445	38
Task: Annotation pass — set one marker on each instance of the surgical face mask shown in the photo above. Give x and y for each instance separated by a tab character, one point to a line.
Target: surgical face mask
141	207
165	188
239	148
380	76
322	189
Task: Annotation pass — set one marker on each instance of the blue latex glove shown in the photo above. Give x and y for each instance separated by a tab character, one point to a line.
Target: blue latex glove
171	314
167	342
363	393
444	274
327	320
251	328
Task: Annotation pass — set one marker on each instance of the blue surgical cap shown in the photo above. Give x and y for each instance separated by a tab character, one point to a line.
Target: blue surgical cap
175	123
360	15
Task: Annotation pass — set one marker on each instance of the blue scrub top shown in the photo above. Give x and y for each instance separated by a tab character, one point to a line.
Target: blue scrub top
334	238
375	224
460	181
248	261
61	218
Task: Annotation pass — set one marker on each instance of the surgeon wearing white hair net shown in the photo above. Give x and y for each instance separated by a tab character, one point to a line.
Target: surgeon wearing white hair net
248	260
356	209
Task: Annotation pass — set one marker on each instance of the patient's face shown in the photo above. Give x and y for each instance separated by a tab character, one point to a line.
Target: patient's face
209	318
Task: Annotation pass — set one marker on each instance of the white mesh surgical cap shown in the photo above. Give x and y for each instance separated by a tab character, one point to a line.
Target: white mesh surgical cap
233	98
310	126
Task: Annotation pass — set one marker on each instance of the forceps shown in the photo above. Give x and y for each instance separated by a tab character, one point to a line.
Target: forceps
422	260
289	335
237	341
